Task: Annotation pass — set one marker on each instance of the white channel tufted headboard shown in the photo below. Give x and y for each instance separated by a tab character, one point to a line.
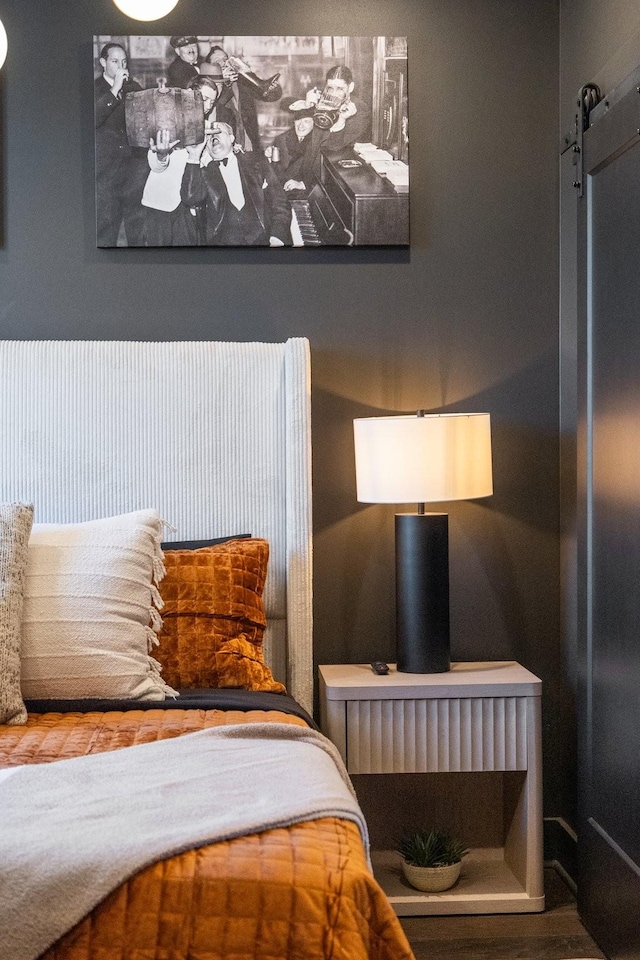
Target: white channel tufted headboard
215	435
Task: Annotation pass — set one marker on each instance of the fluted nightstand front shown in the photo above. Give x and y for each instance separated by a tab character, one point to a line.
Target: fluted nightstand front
477	718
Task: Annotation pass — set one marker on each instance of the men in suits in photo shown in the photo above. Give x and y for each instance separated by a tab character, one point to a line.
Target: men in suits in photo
243	201
121	170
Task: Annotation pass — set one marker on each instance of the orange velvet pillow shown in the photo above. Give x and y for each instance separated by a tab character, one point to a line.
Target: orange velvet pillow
214	617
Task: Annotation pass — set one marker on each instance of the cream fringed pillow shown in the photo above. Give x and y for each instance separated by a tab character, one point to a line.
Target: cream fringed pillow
91	610
15	526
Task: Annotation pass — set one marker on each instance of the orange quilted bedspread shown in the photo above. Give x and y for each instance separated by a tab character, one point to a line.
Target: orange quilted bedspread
297	893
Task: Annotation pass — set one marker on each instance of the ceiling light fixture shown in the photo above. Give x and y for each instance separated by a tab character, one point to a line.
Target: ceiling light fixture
3	43
146	9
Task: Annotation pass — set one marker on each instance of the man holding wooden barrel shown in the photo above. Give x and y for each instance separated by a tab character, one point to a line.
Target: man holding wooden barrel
168	221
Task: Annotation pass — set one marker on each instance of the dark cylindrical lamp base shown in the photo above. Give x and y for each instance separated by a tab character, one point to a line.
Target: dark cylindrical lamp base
422	593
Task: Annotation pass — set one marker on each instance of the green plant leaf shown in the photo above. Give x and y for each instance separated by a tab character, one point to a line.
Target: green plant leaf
431	848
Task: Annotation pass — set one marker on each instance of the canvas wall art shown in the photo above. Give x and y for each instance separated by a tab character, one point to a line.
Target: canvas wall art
251	141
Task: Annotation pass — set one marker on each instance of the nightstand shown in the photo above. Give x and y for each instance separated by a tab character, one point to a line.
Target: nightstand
478	718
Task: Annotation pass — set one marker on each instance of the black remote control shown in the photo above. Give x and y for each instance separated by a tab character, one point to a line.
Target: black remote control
380	667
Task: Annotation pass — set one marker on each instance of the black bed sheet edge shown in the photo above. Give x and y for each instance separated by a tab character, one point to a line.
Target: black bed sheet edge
188	700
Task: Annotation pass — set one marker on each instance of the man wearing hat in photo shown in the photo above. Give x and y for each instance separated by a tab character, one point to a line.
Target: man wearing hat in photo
216	95
243	200
291	144
185	66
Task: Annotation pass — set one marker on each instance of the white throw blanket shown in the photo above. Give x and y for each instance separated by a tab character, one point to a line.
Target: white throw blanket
72	831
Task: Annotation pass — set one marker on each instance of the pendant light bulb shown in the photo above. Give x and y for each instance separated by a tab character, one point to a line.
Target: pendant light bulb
3	43
146	9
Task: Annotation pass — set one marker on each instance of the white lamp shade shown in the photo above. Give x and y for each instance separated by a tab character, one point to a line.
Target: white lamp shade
3	44
430	459
146	9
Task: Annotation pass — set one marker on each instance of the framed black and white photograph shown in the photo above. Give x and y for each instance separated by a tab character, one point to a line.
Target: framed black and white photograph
251	141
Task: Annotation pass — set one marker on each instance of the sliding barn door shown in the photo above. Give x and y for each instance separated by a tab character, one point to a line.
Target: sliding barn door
609	521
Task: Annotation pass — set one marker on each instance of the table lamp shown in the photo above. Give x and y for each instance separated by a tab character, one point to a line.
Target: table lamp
426	458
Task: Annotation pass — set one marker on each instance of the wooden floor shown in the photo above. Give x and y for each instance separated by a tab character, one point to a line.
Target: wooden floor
556	934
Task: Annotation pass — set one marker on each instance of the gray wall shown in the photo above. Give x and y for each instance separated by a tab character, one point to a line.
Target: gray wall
464	320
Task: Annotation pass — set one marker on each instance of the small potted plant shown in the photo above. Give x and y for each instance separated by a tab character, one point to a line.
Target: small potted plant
431	859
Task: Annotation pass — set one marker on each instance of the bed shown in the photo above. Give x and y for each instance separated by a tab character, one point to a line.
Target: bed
215	438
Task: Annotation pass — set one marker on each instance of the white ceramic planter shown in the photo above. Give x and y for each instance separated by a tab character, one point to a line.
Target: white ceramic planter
431	879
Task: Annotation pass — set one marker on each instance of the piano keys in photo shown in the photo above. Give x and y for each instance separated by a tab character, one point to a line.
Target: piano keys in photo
352	205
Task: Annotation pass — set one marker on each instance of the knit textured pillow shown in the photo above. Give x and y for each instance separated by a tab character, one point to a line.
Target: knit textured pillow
214	617
90	613
15	526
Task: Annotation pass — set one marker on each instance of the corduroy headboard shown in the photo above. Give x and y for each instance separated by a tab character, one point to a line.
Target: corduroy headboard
215	435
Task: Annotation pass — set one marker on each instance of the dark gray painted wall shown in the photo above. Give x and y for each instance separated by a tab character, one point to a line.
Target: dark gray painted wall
466	319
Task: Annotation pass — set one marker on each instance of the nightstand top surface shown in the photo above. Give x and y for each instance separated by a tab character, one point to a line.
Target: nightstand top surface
493	678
